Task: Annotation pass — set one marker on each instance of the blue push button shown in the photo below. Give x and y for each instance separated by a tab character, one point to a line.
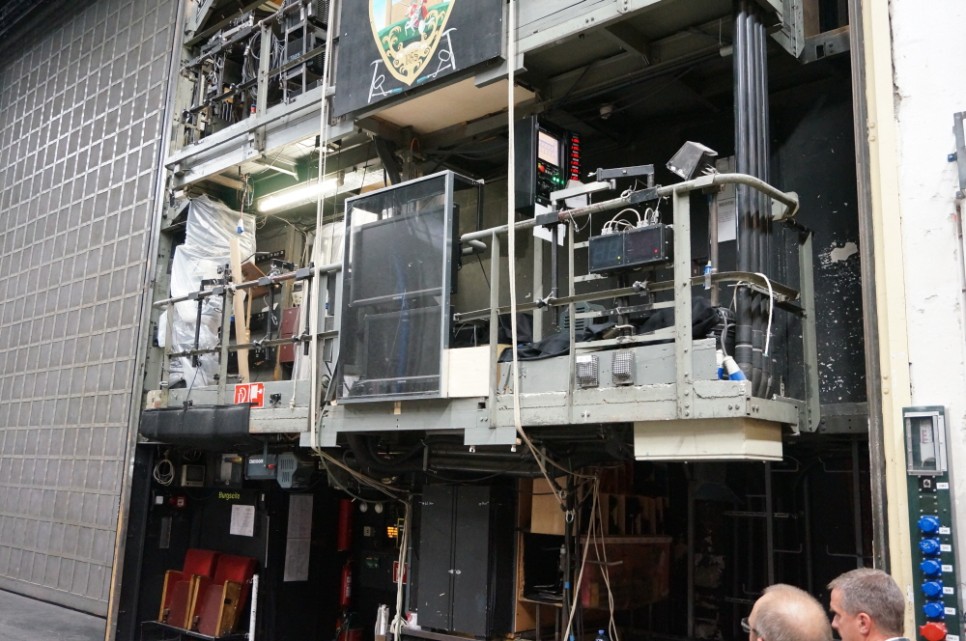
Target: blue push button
932	589
928	524
929	546
931	568
934	610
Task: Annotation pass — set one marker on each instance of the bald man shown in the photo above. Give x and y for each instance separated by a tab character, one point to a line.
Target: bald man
786	613
867	605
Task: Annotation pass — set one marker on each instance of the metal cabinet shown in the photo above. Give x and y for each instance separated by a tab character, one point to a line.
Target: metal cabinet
464	559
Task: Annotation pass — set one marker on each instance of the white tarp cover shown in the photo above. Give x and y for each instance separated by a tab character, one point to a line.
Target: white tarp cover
211	226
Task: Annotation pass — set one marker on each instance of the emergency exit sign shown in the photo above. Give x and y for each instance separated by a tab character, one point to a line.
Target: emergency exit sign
250	393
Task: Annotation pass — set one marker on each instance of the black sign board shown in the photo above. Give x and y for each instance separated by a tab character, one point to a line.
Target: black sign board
389	47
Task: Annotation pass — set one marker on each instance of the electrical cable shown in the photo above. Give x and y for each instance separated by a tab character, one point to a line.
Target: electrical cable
362	478
483	269
771	309
594	517
163	471
608	226
397	620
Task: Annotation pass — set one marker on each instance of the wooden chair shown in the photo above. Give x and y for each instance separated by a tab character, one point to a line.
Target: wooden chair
178	594
219	599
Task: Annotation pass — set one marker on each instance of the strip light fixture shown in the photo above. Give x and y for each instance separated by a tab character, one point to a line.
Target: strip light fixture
311	191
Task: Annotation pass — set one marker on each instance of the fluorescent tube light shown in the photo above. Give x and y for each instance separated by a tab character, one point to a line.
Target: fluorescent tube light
311	191
299	195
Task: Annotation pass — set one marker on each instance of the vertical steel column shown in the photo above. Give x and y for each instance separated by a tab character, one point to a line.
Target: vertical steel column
690	555
494	317
264	66
870	304
857	536
682	302
806	289
713	243
769	526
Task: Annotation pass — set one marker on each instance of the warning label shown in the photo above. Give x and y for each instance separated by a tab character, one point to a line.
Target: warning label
250	393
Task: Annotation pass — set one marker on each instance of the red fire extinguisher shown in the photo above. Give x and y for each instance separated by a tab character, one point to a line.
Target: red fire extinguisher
345	586
343	537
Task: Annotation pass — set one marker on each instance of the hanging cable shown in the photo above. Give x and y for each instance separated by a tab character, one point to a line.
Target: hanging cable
771	309
163	472
397	621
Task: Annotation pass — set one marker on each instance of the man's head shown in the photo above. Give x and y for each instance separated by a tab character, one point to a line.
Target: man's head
786	613
866	605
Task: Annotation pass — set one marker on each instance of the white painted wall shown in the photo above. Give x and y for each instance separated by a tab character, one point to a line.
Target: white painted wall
929	57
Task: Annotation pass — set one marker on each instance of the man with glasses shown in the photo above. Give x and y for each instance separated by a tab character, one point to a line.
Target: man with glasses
867	605
786	613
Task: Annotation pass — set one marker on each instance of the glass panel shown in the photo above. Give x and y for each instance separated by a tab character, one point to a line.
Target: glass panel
397	280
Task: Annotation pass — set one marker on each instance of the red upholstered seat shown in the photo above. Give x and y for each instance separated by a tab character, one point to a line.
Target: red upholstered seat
178	594
219	599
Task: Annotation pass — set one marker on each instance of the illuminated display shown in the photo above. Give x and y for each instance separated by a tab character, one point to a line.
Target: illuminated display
548	148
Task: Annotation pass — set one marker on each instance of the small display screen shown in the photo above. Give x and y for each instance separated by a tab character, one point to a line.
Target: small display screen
548	148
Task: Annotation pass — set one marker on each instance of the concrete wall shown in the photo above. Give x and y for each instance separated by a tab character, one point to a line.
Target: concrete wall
929	56
80	129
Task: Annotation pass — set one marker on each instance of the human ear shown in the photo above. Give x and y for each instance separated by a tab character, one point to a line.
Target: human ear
864	622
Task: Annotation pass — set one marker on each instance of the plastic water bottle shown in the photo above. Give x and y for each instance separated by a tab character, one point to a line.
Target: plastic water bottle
708	270
602	636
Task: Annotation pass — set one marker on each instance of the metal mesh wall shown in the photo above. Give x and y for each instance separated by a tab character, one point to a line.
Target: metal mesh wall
80	129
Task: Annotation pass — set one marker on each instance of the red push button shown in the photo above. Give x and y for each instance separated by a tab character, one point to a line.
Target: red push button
933	631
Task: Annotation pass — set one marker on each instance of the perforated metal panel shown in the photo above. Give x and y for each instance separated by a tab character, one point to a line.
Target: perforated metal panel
80	129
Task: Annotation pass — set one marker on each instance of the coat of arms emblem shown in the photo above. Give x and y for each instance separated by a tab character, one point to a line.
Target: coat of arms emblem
408	33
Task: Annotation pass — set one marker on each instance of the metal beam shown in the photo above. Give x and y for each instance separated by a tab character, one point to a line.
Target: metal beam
630	39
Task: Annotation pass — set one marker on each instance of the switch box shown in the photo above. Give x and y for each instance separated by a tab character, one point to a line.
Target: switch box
932	525
261	467
638	247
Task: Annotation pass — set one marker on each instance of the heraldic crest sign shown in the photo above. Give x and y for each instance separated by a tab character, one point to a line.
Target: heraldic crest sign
408	34
388	48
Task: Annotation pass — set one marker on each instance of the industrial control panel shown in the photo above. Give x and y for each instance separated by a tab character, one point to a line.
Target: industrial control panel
546	159
932	522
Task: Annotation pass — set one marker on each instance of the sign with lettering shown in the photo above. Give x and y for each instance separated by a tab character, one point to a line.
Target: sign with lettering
388	47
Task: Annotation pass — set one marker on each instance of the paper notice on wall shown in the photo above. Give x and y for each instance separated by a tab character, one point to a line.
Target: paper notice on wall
242	520
298	538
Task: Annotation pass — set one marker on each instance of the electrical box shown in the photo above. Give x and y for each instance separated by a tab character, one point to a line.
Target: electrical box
192	475
546	158
637	247
261	467
932	524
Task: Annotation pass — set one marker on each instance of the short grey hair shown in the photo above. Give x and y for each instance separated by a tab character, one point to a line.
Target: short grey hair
787	613
875	593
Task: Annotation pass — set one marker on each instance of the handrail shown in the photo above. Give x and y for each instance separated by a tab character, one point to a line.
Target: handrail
789	199
263	281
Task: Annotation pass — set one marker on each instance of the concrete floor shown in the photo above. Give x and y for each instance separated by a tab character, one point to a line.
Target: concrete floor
26	619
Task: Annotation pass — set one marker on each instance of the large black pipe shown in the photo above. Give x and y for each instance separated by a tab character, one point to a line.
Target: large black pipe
764	249
754	134
752	154
743	310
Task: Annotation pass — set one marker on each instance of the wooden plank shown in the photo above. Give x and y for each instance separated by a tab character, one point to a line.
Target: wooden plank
242	335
